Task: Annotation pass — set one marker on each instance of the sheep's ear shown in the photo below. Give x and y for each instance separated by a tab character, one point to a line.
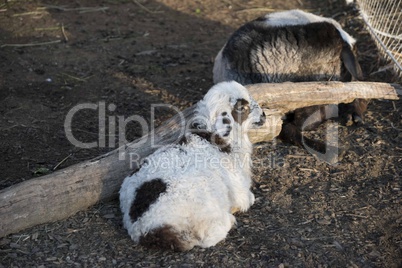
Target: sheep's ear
223	124
351	63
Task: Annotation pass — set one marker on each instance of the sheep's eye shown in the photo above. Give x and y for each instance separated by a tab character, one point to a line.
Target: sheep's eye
242	109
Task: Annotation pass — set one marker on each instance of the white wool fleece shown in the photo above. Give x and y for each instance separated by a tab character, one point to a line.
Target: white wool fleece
204	183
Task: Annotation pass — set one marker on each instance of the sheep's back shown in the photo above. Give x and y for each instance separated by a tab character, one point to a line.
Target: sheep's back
257	53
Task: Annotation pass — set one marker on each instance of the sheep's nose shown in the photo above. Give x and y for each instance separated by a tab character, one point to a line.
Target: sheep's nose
262	119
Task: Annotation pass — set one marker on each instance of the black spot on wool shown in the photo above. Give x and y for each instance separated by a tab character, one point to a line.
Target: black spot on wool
146	195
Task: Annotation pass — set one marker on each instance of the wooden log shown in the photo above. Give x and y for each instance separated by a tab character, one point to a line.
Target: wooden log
290	96
63	193
278	99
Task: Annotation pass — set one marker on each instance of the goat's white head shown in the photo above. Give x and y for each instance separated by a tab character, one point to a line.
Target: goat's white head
227	107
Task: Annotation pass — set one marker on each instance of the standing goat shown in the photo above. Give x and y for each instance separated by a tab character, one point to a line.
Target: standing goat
292	46
184	194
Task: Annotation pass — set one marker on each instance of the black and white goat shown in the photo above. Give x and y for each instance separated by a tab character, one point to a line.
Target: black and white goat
184	194
292	46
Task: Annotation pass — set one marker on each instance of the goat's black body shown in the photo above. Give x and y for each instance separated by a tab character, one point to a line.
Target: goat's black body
260	53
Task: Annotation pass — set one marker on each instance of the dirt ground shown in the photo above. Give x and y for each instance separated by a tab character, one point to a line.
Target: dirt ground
136	53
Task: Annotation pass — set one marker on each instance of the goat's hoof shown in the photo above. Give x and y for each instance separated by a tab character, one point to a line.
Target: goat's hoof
358	120
349	120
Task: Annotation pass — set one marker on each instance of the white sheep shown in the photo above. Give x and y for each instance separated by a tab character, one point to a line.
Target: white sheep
293	46
184	195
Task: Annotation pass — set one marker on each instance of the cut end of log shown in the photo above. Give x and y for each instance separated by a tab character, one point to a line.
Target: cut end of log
269	130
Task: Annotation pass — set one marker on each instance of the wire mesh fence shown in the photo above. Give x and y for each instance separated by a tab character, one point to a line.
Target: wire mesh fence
384	21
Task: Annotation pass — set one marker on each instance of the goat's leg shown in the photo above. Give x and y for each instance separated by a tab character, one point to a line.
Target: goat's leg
306	118
292	134
353	113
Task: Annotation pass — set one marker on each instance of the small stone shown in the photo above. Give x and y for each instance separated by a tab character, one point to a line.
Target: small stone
14	245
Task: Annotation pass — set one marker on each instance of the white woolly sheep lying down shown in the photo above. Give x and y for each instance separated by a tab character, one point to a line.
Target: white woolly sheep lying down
292	46
184	195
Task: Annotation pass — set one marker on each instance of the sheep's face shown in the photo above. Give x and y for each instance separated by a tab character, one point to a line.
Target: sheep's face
228	106
248	113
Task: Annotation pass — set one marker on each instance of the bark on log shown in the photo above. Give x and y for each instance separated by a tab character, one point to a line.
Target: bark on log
278	99
61	194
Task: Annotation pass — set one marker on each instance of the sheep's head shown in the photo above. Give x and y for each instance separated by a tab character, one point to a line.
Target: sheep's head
227	110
